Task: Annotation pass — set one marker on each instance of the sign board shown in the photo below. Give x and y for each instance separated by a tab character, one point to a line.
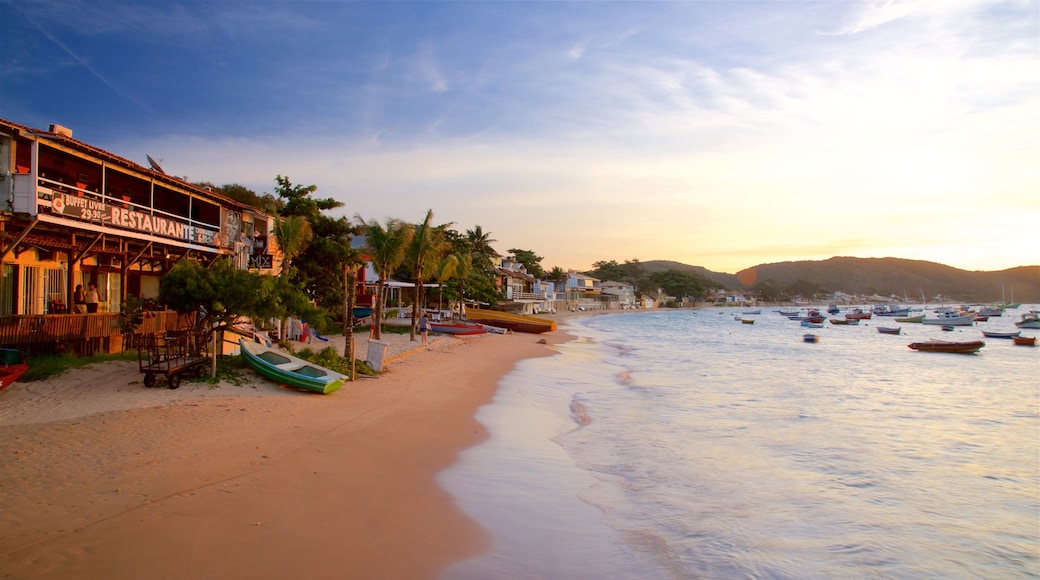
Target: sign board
93	210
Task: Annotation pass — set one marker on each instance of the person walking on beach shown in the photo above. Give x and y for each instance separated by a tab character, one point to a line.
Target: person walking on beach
424	328
79	300
93	297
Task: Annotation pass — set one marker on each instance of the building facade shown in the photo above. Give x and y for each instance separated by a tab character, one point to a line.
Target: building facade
73	215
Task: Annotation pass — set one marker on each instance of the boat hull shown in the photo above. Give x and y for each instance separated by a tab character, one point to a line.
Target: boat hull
968	347
1025	340
458	328
951	321
289	370
13	366
911	319
514	322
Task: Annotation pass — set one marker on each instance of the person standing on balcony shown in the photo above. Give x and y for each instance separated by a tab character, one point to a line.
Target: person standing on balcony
79	300
93	297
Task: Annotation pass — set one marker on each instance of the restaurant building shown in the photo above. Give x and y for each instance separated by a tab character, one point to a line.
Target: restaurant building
72	214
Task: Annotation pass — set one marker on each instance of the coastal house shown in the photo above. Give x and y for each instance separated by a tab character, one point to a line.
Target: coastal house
581	292
521	291
621	294
73	214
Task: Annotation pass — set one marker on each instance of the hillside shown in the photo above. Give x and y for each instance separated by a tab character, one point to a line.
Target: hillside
884	276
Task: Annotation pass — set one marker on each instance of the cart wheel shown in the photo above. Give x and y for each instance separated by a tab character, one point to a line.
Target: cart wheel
149	380
174	381
202	371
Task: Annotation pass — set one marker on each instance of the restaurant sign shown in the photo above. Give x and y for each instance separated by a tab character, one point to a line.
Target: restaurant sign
96	211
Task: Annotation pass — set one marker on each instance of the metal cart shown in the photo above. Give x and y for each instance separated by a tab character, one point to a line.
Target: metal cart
172	354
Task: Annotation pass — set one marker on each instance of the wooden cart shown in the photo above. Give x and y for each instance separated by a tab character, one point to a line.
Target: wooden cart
172	354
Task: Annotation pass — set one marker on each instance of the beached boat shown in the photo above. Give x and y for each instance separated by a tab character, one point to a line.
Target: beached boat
12	366
989	334
1025	340
911	319
966	347
287	369
1030	319
458	328
889	329
514	322
810	338
952	319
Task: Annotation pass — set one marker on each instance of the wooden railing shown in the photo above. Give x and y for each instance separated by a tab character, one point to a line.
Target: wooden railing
83	334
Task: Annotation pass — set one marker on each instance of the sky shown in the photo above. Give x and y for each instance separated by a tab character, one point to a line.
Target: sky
722	134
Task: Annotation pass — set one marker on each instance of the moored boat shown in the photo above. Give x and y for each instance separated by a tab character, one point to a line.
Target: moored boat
889	329
514	322
1030	319
287	369
911	319
965	347
858	314
845	321
1025	340
810	338
989	334
952	319
12	366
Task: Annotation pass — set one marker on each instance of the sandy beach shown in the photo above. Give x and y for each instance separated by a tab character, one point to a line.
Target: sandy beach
104	478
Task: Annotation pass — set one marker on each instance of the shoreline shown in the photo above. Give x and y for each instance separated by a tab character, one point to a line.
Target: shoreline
105	478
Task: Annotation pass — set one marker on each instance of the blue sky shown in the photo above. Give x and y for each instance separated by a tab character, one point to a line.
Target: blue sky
720	134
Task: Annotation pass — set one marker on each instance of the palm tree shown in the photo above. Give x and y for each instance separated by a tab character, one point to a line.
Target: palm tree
388	246
446	270
293	234
480	246
463	269
427	247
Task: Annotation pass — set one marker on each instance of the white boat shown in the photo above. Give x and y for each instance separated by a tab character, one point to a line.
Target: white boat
1030	319
952	319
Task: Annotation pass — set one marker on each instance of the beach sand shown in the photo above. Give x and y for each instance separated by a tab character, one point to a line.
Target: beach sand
101	477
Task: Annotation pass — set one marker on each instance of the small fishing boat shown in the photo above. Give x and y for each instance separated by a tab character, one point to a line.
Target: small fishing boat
911	319
858	314
845	321
289	370
1030	319
1025	340
12	366
967	347
810	338
747	320
752	312
952	319
889	329
809	323
514	322
458	328
989	334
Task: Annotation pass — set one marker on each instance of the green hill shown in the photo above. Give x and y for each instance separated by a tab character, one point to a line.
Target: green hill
883	276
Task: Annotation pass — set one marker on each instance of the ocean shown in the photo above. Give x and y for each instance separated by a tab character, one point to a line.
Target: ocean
685	444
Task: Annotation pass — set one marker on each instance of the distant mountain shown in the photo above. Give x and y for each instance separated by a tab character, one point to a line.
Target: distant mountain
883	276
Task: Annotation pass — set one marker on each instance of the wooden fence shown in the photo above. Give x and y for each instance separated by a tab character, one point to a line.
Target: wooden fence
84	334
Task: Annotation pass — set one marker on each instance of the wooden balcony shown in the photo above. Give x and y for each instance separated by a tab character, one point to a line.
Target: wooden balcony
82	334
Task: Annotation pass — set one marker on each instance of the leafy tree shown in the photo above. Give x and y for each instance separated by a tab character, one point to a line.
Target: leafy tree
769	290
679	283
298	200
530	260
631	272
388	247
221	294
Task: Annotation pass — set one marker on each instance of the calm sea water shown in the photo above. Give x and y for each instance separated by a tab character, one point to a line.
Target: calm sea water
684	444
